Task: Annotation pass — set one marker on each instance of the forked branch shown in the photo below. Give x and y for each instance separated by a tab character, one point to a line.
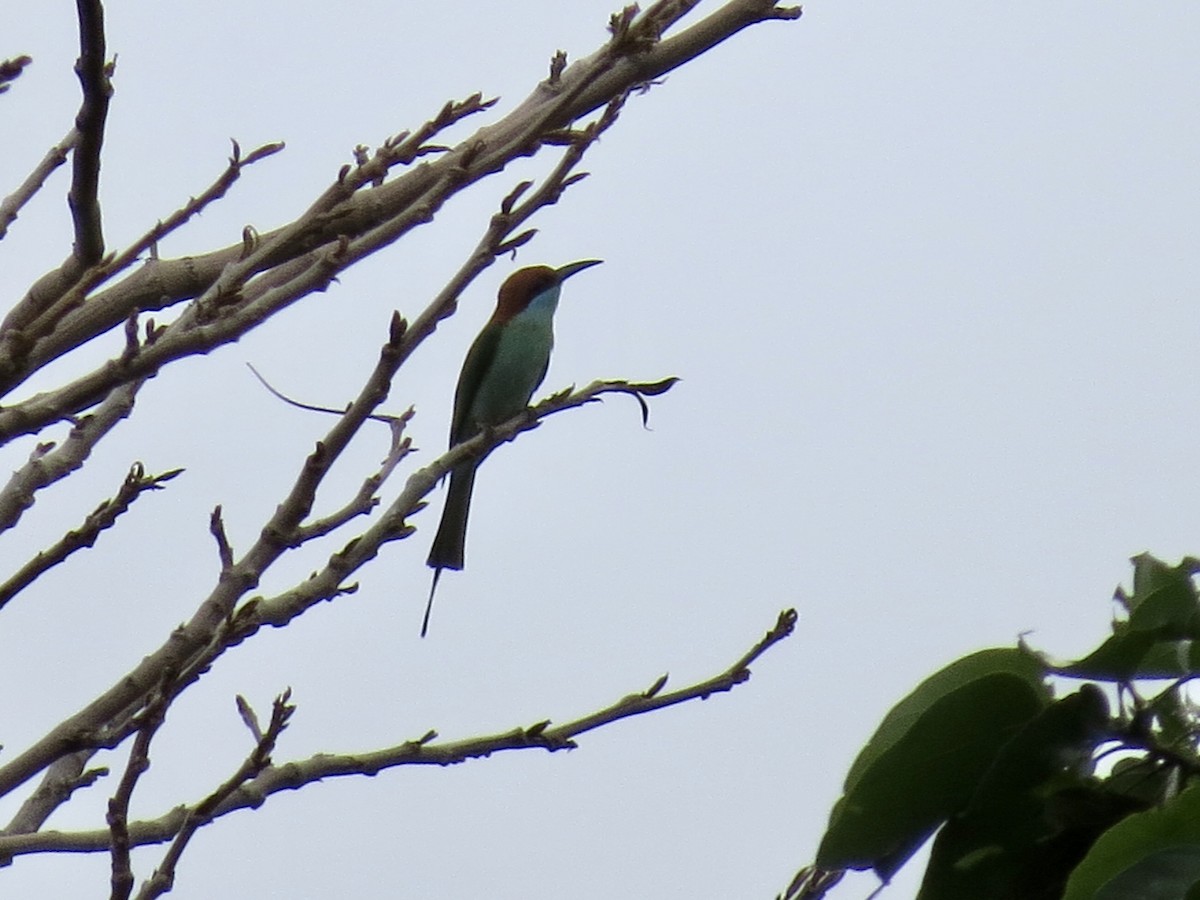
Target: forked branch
426	750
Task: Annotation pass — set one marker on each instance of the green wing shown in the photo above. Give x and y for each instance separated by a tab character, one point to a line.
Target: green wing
475	366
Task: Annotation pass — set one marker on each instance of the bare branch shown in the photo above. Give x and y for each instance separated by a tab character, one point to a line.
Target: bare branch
62	780
11	69
102	517
259	759
214	627
107	720
231	291
366	499
83	198
118	805
216	526
12	205
93	72
229	309
405	148
47	465
424	751
45	321
373	218
637	704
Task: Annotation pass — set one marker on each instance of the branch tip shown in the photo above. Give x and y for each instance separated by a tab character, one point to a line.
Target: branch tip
11	69
658	685
558	63
216	527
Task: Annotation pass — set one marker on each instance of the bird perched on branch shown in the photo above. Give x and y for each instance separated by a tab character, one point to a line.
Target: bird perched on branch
504	366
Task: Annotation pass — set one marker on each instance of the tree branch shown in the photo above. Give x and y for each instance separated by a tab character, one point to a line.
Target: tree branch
230	307
118	805
231	291
372	218
47	319
46	465
11	69
62	780
423	751
259	759
102	517
11	205
214	627
93	72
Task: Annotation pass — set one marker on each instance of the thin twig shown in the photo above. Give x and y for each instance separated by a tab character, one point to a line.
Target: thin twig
62	779
259	759
103	516
11	69
52	462
118	805
216	527
12	205
367	497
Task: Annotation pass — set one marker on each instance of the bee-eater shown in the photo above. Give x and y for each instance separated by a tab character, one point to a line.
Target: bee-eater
504	366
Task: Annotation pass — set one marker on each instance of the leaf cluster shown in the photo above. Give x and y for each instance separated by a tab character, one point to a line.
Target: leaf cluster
1041	780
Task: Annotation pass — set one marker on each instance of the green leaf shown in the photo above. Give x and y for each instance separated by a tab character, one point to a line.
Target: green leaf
1034	814
1174	717
1117	659
1153	855
927	757
1157	641
1151	575
1169	609
897	723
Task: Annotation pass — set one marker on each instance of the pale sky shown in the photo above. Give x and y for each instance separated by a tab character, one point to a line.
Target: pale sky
928	273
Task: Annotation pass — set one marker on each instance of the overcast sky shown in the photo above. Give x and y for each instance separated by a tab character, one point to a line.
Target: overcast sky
928	273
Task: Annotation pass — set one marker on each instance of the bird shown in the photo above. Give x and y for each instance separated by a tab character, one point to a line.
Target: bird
504	366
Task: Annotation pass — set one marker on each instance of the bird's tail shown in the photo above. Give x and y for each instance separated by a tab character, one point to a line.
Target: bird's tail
450	541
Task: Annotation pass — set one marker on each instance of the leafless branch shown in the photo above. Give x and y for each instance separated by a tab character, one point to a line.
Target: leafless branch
102	517
259	759
93	71
62	780
216	527
215	627
364	220
211	320
222	295
424	751
47	464
366	499
11	69
107	720
12	205
118	805
45	321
